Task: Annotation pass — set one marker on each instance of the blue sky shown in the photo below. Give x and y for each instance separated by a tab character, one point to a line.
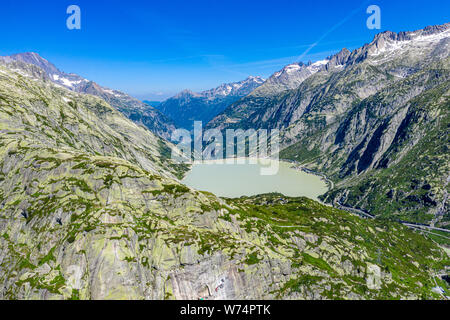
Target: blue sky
148	48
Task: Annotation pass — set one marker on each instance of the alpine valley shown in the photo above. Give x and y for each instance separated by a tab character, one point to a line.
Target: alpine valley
92	206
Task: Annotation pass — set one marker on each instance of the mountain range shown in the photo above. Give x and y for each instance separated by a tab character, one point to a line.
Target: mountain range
187	106
374	120
134	109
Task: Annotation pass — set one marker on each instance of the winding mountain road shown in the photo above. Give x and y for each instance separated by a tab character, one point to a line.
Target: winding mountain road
407	224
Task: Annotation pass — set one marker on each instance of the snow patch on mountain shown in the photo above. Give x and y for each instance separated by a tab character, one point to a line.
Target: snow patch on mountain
241	88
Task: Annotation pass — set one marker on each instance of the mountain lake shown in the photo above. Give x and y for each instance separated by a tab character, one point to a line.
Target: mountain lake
245	179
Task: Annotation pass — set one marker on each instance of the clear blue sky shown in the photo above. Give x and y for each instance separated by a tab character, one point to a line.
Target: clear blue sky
146	47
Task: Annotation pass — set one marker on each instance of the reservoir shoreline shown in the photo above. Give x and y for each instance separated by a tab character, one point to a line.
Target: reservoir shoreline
299	166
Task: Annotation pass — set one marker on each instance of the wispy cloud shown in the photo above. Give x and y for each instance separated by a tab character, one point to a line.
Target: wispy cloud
345	43
267	66
188	58
334	27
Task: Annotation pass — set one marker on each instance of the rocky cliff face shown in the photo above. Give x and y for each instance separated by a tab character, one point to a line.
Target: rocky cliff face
374	120
90	209
134	109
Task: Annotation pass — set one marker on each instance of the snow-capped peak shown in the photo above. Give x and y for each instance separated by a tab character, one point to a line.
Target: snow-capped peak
389	43
289	69
240	88
292	75
320	63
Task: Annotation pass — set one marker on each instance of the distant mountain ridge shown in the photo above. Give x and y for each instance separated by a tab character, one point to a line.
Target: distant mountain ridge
188	106
241	88
134	109
290	77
